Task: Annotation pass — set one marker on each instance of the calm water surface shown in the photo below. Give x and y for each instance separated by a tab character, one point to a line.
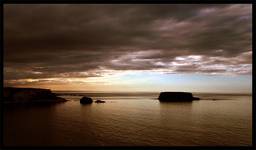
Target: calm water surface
133	120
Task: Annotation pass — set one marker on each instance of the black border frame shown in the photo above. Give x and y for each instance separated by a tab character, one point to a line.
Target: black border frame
4	2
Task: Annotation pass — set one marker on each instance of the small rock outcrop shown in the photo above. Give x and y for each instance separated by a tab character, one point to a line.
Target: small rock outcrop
29	95
99	101
176	97
86	100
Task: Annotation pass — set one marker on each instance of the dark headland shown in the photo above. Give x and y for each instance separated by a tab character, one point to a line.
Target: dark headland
30	96
176	97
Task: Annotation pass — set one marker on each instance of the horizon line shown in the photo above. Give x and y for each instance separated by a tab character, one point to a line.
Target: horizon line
80	91
100	91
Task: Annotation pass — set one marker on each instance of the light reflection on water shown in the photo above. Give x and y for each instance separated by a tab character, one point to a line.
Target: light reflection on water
144	122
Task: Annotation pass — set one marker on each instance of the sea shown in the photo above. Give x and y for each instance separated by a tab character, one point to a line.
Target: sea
132	119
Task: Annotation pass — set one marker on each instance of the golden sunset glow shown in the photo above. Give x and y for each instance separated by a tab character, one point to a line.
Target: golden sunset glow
103	51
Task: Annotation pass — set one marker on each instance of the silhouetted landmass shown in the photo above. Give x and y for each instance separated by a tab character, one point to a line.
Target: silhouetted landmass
99	101
176	96
86	100
30	95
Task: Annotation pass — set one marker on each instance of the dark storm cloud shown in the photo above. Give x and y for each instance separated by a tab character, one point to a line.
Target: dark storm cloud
43	41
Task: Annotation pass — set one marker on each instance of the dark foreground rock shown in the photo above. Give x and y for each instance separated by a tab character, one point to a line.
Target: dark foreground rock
176	97
86	100
29	96
99	101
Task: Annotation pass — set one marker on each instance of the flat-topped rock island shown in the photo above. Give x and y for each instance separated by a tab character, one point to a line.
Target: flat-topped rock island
30	96
176	97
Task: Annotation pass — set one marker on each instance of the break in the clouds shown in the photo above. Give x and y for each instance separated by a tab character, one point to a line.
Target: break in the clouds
82	41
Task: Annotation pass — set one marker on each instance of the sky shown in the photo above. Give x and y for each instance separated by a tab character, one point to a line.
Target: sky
128	47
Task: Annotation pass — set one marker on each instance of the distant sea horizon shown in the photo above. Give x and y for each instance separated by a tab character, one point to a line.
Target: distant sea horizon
81	91
101	91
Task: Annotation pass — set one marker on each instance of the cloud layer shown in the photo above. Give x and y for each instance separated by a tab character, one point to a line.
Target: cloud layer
78	41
